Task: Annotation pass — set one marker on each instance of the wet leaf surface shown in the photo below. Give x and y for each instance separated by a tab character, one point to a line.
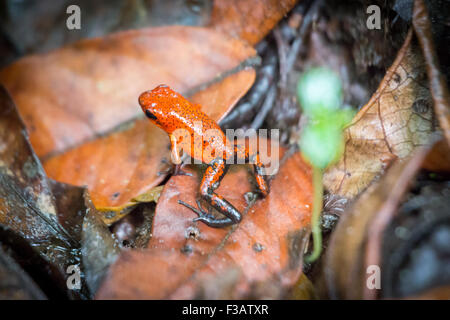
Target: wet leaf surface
99	248
260	257
26	200
70	207
397	119
28	208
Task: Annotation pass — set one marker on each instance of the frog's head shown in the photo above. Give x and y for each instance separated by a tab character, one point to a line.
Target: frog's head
158	104
154	102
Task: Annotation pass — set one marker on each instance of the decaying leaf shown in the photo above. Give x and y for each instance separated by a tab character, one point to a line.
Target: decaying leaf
113	214
439	158
70	207
117	167
78	92
124	164
356	242
438	85
27	204
397	119
260	257
103	78
248	20
303	289
99	249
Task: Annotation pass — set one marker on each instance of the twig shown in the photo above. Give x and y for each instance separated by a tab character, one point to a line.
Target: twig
267	105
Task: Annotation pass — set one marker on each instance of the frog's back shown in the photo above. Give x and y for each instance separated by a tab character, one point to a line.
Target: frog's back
202	138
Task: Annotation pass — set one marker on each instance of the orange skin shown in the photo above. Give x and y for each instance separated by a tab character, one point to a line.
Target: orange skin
193	132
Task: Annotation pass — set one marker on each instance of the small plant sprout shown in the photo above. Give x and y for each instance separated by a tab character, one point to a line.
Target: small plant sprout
321	143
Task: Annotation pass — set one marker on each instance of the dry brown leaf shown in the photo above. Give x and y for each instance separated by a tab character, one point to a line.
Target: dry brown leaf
75	93
127	163
303	289
438	160
397	119
260	257
356	242
113	214
248	20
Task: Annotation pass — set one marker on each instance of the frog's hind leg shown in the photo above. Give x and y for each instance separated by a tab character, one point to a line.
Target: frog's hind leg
211	180
261	182
242	152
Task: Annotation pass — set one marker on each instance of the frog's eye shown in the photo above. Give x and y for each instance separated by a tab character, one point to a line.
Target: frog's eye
150	115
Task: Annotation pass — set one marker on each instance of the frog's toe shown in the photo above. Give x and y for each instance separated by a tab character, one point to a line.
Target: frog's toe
200	212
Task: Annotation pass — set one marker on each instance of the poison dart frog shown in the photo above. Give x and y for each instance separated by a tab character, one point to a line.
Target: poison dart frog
190	130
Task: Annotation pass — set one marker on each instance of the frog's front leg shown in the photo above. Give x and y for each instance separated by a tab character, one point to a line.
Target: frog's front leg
175	151
211	180
176	158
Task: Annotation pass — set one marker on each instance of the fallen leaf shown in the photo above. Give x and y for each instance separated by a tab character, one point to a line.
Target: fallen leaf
124	164
28	208
113	214
356	241
70	207
438	85
260	257
248	20
439	158
397	119
72	95
303	289
99	248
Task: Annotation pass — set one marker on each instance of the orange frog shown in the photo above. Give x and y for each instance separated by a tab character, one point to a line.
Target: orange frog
193	132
